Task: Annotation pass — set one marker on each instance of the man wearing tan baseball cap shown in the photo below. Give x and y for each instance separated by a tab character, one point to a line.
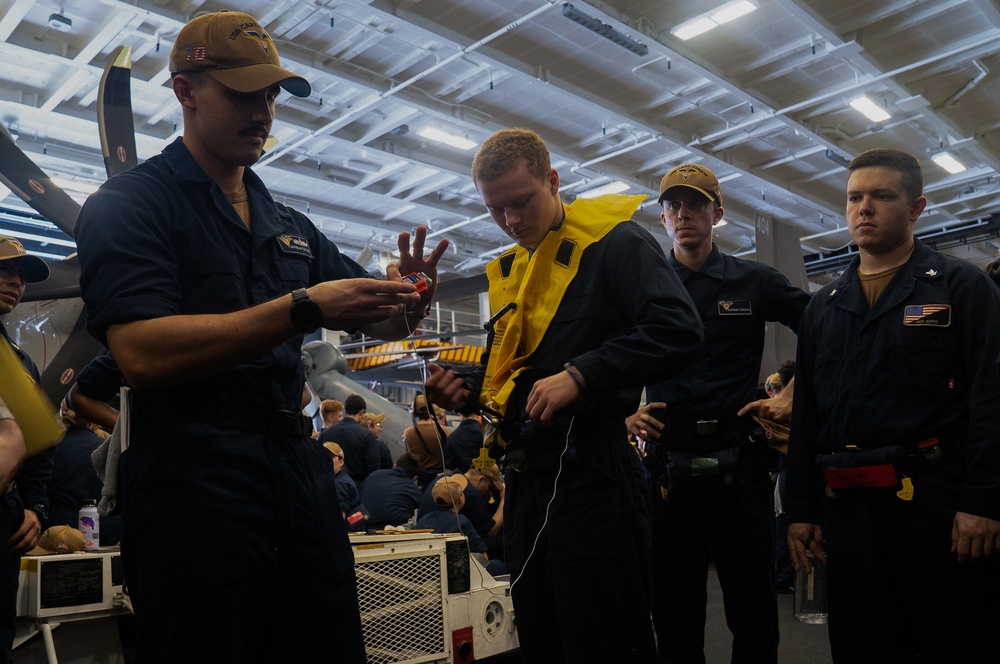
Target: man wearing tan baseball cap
713	485
213	286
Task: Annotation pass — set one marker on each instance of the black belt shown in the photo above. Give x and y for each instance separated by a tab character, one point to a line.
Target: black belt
927	455
702	424
272	423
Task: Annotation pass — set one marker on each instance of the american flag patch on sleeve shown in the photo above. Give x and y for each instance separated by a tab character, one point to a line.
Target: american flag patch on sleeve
938	315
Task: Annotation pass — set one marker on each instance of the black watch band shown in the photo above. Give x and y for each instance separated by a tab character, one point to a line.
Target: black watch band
305	313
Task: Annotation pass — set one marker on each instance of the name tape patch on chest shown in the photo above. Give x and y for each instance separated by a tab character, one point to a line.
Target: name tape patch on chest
295	245
936	315
735	308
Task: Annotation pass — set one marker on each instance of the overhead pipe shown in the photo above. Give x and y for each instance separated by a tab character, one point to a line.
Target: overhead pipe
983	71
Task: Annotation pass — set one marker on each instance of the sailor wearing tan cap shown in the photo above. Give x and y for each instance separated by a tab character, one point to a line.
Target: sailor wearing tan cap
712	488
203	285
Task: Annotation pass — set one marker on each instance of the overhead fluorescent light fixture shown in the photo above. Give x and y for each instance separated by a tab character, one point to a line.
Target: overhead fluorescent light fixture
733	11
440	136
615	187
604	30
694	28
948	162
713	19
870	109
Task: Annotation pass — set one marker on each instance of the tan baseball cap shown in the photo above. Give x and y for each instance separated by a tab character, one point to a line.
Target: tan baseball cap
447	489
234	49
58	539
693	176
12	250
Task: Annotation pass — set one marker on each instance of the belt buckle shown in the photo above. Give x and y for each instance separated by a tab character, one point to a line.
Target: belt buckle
706	427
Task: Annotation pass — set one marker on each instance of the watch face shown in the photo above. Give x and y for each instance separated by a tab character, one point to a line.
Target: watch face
306	316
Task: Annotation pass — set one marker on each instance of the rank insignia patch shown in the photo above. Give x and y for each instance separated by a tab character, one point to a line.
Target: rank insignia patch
294	244
735	307
937	315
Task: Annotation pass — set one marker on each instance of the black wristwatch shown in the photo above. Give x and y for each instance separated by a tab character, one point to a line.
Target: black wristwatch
40	509
305	313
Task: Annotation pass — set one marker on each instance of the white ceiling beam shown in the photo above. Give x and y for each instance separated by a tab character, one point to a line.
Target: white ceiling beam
290	26
381	174
370	39
396	118
432	184
415	177
407	60
460	79
13	17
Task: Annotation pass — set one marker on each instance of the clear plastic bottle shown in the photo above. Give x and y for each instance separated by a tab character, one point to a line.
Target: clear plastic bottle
809	604
90	525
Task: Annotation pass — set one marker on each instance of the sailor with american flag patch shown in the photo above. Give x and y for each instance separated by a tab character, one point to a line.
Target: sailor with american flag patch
898	388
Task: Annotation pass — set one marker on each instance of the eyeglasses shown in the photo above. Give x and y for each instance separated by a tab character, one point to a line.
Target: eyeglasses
698	204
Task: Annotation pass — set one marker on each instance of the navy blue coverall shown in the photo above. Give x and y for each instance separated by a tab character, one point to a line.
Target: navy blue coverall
920	364
623	321
232	534
725	515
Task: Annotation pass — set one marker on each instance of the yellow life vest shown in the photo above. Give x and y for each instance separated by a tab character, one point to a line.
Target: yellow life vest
536	282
